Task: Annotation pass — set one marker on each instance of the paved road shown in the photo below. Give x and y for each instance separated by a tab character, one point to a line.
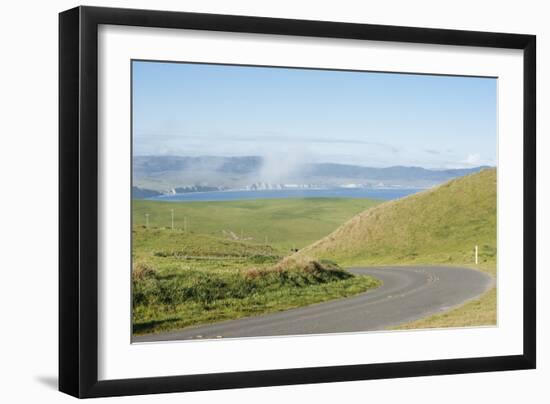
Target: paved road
407	294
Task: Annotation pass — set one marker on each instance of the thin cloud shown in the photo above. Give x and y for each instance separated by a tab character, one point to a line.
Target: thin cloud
266	137
475	160
432	151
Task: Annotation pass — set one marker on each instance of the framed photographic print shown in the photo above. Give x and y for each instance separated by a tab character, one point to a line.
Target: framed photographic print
249	201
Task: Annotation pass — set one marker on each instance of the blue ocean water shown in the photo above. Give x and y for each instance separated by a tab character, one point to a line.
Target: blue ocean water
234	195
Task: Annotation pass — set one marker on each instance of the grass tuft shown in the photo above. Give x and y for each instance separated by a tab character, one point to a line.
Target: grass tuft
142	270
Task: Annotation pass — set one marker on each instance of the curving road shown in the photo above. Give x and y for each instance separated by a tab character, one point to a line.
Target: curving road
407	294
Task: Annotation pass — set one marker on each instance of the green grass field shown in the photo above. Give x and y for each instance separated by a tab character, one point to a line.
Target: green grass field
225	260
283	223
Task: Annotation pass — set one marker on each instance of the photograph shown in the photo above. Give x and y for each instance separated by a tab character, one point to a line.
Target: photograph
272	201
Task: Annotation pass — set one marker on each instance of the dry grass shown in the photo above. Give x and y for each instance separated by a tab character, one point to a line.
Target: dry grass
142	270
300	265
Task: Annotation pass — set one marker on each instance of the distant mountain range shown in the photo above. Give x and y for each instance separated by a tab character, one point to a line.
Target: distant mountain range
168	174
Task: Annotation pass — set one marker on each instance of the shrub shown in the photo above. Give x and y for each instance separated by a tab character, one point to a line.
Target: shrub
299	272
142	270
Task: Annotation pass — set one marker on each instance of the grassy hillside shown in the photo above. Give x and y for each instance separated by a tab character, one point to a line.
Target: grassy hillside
282	223
438	226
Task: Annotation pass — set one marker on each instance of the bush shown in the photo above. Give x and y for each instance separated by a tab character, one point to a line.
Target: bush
142	270
299	272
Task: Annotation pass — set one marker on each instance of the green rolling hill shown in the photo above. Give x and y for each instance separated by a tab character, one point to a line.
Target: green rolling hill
438	226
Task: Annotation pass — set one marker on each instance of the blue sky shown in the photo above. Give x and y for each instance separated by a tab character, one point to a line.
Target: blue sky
369	119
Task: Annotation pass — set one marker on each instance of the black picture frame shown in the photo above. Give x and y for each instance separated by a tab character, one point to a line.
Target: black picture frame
78	201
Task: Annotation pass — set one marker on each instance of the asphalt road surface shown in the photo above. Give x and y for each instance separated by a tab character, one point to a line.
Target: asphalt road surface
407	294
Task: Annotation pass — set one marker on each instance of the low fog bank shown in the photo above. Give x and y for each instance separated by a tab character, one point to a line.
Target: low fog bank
275	171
